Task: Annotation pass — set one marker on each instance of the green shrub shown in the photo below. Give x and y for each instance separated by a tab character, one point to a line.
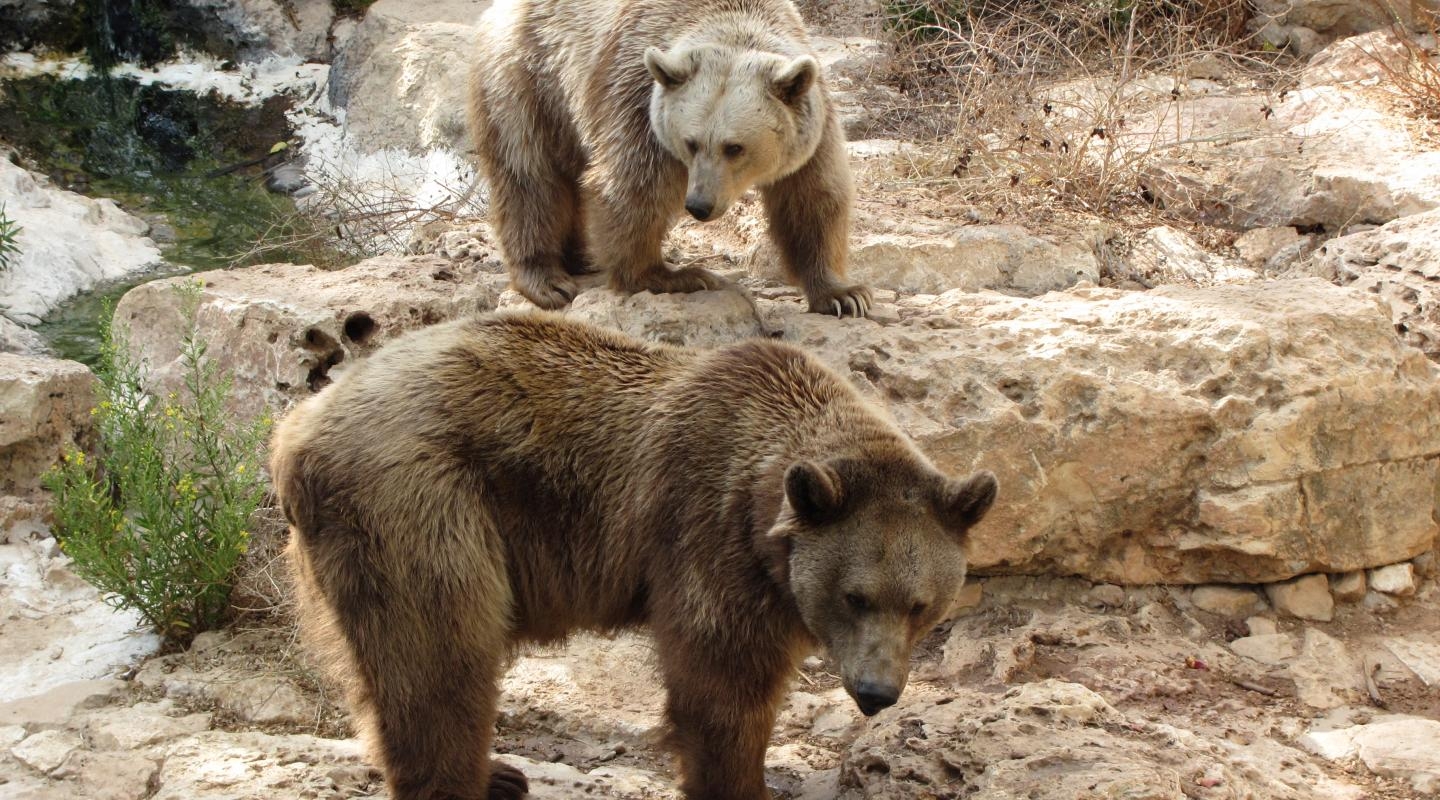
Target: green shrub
9	240
159	519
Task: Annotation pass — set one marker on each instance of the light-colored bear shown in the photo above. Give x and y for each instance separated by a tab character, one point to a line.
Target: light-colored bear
597	122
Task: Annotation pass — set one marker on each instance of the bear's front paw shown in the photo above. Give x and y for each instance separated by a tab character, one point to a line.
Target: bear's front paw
549	289
507	782
842	300
662	279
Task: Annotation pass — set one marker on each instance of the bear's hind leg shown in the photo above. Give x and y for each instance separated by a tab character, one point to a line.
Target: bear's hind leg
425	620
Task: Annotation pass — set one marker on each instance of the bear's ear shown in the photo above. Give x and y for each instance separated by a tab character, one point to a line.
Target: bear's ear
791	81
961	504
814	490
669	70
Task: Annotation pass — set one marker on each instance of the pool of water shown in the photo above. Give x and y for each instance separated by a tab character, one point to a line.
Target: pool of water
165	155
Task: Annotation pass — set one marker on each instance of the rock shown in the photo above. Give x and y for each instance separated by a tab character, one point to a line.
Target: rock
1265	450
56	706
1395	579
969	258
1164	255
1399	262
557	781
44	410
1397	748
259	29
682	319
1325	674
971	594
1323	157
1261	626
1332	18
47	750
1047	741
1274	649
68	243
1307	597
219	765
257	698
1420	657
1272	250
278	330
853	67
1227	601
108	776
402	75
1106	595
1424	564
18	339
1370	56
600	688
1348	587
143	724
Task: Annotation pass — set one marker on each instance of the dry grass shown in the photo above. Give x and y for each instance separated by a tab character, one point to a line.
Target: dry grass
1036	104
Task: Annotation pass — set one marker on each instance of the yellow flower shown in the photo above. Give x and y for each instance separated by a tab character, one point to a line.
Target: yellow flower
94	411
240	469
171	411
171	396
169	426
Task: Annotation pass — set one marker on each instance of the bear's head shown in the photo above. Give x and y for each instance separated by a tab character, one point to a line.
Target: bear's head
735	118
873	552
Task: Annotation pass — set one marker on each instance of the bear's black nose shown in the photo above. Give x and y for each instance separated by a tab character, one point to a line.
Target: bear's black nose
875	697
699	209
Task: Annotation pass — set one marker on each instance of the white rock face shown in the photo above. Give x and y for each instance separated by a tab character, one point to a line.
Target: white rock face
1399	748
68	243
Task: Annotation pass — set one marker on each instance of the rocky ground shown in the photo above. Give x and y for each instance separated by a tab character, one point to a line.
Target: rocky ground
1216	422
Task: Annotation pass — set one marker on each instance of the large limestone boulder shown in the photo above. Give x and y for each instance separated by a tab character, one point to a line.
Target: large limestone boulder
1337	18
402	75
1400	263
44	410
1185	435
279	330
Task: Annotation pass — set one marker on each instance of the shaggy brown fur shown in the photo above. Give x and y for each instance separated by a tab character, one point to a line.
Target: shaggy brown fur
592	145
515	478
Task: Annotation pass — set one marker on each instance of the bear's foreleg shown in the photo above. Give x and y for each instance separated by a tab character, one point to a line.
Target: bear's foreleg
722	707
808	213
534	202
627	219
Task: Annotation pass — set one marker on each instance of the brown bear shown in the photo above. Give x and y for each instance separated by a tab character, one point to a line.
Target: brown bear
513	478
597	121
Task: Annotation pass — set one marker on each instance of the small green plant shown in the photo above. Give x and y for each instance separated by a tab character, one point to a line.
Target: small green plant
9	240
159	519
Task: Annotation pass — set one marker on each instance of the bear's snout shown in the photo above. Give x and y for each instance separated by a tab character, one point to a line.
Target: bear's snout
699	209
875	697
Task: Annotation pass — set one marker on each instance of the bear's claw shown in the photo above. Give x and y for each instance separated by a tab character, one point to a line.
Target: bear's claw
507	782
549	290
853	300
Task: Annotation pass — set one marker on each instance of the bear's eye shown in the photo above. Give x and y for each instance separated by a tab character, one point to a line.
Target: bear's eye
732	150
857	603
918	610
692	146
